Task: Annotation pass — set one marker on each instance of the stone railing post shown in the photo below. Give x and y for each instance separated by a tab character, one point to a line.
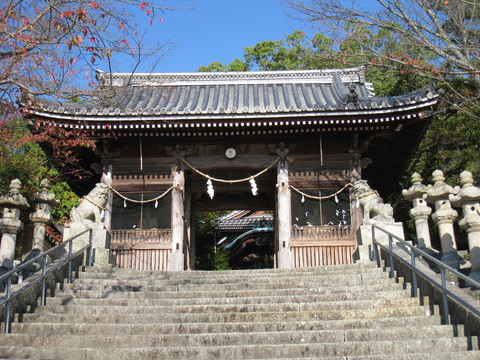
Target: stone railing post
444	216
12	202
468	198
44	202
420	211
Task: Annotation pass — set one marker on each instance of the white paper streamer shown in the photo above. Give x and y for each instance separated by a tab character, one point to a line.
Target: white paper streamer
210	190
254	187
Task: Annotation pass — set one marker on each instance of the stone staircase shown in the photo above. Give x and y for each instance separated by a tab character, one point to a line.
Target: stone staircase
347	312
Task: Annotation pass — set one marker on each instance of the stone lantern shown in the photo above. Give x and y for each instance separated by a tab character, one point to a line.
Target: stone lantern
420	211
468	198
13	203
444	216
44	202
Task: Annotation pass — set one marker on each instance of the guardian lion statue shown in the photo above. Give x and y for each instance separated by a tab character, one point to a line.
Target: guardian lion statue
373	208
89	211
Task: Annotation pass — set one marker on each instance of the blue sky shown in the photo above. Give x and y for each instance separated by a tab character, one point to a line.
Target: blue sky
218	30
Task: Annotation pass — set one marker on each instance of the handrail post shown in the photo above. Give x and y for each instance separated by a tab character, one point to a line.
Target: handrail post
90	249
374	245
43	294
414	275
6	313
390	249
445	315
69	266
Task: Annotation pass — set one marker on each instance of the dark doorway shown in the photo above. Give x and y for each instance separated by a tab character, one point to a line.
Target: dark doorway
223	236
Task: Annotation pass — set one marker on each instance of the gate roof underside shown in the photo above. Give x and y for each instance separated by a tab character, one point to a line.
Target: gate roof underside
328	98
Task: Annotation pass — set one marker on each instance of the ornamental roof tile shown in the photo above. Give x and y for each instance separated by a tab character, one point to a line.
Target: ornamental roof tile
126	97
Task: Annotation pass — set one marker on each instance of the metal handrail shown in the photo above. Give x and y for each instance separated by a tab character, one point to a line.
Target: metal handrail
441	286
45	271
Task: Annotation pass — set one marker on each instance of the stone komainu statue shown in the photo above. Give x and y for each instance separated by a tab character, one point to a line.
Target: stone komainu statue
88	212
373	208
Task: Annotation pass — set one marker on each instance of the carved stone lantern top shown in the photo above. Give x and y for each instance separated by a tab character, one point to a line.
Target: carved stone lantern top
440	189
44	196
13	198
417	190
468	192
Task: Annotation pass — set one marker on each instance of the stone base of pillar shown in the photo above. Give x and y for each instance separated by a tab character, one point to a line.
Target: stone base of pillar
102	257
176	261
100	242
364	239
363	254
284	259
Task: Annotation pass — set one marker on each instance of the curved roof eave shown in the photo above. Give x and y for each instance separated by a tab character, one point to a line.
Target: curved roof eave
233	116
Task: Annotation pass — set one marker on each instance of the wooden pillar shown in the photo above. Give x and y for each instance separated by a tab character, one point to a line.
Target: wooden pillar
355	175
284	216
190	258
177	258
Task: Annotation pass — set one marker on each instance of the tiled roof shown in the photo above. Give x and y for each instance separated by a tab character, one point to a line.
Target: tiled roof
234	95
243	220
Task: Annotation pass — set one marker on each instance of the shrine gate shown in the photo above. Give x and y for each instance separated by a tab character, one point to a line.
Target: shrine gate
290	142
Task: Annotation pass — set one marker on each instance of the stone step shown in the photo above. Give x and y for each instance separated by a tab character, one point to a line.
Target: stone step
133	285
121	272
219	327
170	317
464	355
226	308
178	301
332	278
348	312
120	292
237	275
228	339
251	351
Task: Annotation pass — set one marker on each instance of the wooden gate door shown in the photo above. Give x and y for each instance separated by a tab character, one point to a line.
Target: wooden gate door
142	249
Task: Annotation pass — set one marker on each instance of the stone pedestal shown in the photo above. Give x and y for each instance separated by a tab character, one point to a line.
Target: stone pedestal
420	211
101	248
468	198
364	238
100	243
444	216
12	202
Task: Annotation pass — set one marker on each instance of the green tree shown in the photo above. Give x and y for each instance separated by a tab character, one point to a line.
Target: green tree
27	162
299	51
447	31
452	140
207	255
